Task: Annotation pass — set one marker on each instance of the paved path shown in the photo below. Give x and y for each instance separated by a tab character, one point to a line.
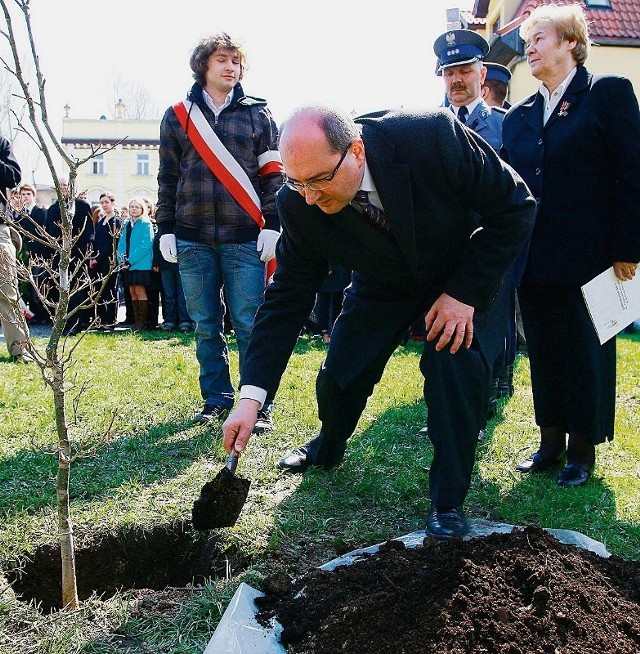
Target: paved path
44	330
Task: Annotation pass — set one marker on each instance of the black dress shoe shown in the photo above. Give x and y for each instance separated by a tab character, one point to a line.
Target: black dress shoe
574	474
446	523
537	463
297	460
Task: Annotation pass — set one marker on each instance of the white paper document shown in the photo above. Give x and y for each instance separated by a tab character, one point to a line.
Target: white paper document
612	304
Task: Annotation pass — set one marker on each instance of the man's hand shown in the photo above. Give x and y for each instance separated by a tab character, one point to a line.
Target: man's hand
168	248
452	321
624	271
237	428
267	239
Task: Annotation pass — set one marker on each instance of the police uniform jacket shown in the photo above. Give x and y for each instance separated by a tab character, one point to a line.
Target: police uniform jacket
487	122
583	168
431	173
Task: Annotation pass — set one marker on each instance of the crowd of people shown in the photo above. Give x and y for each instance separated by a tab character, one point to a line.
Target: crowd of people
468	224
116	248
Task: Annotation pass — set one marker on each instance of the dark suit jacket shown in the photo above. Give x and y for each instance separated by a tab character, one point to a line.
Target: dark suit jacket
82	227
39	214
583	167
10	172
105	242
432	174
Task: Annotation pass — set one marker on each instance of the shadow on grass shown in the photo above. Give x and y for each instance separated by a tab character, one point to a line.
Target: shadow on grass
27	479
380	491
536	499
151	455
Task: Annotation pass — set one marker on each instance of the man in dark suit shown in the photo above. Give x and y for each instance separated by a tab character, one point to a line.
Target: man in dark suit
432	177
35	249
84	234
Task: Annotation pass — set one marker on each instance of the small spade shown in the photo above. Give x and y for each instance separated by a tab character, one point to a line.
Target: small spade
221	499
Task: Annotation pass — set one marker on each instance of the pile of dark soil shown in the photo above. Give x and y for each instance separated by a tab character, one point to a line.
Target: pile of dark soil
518	593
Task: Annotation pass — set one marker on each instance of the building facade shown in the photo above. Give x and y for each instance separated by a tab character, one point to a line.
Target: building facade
614	29
127	165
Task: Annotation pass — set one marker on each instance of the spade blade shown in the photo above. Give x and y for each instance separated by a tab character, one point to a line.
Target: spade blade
221	500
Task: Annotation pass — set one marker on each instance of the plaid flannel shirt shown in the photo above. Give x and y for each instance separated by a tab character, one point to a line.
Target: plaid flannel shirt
192	203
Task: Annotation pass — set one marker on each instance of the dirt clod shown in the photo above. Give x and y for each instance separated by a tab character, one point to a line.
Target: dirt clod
523	592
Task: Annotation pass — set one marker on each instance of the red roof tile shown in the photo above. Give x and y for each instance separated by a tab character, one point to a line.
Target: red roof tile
619	24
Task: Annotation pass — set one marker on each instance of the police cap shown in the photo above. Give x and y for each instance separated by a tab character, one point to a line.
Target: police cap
497	72
459	47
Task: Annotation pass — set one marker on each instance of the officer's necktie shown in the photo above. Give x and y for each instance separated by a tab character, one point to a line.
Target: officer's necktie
370	211
463	112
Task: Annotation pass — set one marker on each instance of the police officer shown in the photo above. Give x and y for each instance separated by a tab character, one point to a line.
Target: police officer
496	85
460	63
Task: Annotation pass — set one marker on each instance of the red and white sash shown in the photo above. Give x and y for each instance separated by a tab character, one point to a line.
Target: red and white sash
222	163
224	166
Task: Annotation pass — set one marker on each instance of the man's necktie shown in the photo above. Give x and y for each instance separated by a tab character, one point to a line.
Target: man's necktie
370	211
463	112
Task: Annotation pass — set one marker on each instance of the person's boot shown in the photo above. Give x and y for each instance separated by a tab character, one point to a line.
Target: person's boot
137	324
143	317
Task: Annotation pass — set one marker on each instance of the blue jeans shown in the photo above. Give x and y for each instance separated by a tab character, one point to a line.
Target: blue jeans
204	269
174	307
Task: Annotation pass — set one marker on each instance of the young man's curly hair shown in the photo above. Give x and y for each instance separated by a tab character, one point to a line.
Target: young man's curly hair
200	57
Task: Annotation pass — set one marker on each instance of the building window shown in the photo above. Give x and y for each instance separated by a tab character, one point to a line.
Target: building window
98	165
142	164
598	3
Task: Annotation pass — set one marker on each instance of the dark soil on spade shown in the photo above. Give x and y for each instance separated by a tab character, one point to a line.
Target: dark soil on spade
523	592
220	501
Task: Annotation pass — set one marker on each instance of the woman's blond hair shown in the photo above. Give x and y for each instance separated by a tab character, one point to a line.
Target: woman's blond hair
570	23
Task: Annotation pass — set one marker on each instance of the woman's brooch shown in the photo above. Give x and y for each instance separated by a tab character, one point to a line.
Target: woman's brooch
563	108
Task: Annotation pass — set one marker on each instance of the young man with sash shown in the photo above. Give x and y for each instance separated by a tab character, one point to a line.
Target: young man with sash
218	175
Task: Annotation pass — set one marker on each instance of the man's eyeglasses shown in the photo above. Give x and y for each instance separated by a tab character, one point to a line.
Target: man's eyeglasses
317	184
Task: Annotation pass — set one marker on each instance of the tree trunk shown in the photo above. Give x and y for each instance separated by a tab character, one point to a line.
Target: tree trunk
65	527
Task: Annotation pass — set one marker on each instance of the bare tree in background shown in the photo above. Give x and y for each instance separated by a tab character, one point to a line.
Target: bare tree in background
68	275
138	104
8	125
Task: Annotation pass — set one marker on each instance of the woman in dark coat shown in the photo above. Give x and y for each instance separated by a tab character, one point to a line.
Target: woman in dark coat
107	231
576	143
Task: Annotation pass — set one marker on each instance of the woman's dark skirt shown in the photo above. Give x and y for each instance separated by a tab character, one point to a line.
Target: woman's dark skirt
137	278
573	377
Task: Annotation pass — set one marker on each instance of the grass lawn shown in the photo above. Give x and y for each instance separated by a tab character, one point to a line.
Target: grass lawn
147	470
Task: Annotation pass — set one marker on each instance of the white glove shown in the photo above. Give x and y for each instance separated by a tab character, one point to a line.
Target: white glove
267	240
168	248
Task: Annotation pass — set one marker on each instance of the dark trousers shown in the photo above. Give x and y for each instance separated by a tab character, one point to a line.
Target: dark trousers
83	317
456	392
328	307
174	305
508	354
107	309
153	296
573	377
40	314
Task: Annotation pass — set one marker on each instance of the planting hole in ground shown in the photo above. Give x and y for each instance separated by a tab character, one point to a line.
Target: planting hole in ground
154	558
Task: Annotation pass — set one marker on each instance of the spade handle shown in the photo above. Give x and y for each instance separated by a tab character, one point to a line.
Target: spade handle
232	461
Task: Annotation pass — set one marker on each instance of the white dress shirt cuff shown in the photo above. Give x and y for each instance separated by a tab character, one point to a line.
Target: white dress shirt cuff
253	393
